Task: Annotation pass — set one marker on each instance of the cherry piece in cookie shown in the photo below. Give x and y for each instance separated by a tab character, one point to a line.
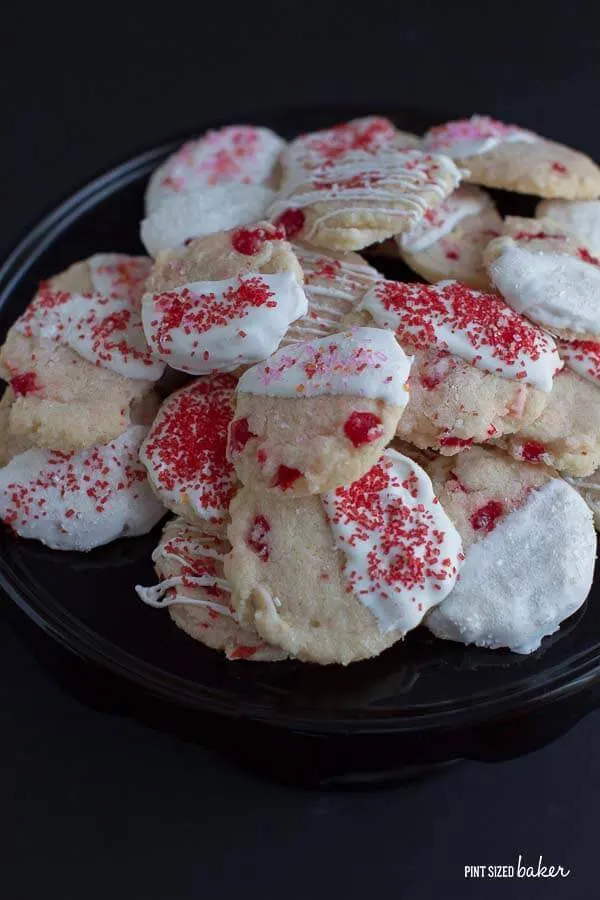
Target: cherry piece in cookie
189	564
341	576
319	413
184	452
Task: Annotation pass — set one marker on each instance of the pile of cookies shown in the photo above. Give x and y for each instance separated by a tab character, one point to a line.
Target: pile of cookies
343	456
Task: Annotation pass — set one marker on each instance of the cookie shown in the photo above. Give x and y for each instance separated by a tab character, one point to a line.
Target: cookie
506	156
548	276
77	501
567	433
259	248
239	154
77	358
333	284
449	241
342	576
10	444
204	211
529	546
368	134
218	326
360	198
319	413
184	452
479	369
579	218
189	563
589	488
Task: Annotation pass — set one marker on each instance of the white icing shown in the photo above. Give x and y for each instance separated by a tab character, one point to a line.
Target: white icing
401	550
82	500
383	180
363	362
109	333
581	218
525	577
582	357
236	153
244	332
558	291
435	314
119	276
438	222
204	211
474	136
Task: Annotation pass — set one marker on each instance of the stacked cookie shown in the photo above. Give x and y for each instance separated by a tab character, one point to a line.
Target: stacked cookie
347	457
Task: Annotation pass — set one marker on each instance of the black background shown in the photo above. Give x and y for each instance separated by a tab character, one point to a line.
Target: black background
95	805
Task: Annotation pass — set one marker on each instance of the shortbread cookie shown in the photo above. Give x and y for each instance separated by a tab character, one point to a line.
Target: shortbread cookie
189	563
548	276
450	239
509	157
10	444
236	153
567	433
184	452
218	326
580	218
77	357
339	577
479	369
205	211
529	545
368	134
319	413
589	488
333	284
77	501
259	248
360	197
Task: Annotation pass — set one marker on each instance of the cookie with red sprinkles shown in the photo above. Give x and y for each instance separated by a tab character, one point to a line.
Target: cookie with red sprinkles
342	576
513	158
185	452
479	369
189	563
318	413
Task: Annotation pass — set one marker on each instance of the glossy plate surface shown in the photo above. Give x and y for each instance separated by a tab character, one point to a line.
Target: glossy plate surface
87	602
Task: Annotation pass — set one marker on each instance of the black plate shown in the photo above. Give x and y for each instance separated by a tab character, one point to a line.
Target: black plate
420	703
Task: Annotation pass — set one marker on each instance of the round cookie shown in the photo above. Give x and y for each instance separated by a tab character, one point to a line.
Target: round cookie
368	134
567	433
479	369
333	284
240	154
77	358
77	501
204	211
529	546
342	576
579	218
259	248
189	564
184	452
319	413
506	156
548	276
449	241
360	198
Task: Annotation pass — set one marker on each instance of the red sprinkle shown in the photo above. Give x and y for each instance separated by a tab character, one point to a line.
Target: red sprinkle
455	442
24	384
249	241
256	539
559	167
586	256
285	477
362	428
486	517
242	652
239	435
292	221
